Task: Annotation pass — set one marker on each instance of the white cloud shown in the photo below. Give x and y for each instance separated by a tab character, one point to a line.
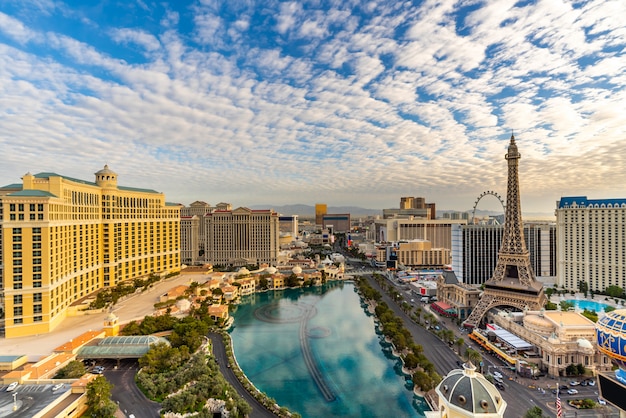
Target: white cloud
139	37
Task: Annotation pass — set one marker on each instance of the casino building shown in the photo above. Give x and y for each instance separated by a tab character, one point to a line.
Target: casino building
62	239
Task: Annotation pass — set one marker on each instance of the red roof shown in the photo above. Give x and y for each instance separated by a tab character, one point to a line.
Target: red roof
442	305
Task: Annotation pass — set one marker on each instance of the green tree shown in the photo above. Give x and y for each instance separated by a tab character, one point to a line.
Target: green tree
423	381
614	291
534	412
73	370
551	306
565	305
474	356
580	369
99	399
459	343
583	287
549	292
591	315
263	282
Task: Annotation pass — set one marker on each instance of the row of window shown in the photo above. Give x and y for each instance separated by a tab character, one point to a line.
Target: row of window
19	207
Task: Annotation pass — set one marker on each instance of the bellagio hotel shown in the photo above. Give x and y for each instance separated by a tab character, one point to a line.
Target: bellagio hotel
62	239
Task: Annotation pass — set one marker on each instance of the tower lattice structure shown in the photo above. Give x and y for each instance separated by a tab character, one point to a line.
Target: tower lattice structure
513	282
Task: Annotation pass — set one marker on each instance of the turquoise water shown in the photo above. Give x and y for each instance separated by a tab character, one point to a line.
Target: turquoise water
588	304
316	351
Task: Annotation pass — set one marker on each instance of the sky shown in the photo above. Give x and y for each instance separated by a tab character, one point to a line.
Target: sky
340	102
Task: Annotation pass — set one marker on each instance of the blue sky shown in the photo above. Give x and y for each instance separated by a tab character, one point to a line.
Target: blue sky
342	102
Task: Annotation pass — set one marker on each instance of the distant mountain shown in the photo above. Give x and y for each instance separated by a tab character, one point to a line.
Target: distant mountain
309	211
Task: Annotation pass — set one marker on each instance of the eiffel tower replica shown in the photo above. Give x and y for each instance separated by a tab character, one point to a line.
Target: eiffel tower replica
513	281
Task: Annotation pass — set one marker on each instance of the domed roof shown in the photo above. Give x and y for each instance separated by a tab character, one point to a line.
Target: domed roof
271	270
296	270
611	335
105	170
538	323
470	391
243	270
111	317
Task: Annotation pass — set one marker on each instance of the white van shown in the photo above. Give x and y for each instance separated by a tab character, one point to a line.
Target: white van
424	299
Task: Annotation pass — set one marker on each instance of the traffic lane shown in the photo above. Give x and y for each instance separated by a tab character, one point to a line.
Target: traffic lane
438	352
219	352
125	392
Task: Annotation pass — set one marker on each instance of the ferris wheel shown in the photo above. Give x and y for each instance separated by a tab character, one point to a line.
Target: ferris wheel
487	193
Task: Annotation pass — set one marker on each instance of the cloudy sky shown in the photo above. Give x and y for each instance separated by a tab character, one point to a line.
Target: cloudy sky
346	102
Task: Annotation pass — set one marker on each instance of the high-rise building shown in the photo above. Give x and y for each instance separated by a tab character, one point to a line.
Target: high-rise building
241	237
591	236
190	240
63	239
437	231
321	209
289	225
475	250
336	222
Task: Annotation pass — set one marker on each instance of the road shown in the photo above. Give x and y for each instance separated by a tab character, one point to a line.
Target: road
444	358
125	392
219	352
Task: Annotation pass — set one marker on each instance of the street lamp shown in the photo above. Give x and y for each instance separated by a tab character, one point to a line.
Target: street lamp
15	402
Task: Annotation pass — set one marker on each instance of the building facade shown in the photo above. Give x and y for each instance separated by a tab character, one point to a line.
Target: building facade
321	209
242	237
437	231
190	249
64	238
475	250
336	222
591	234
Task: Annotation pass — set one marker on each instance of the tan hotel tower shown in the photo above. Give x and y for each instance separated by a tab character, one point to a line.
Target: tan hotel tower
62	239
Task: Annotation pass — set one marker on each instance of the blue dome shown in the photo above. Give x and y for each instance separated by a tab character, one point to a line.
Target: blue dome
611	336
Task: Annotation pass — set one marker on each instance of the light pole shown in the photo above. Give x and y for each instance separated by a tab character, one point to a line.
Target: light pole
15	401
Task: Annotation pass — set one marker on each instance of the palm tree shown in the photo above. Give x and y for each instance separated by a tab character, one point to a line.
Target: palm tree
473	356
459	343
418	314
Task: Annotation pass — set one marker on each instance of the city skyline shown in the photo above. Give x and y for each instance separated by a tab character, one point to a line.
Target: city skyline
345	103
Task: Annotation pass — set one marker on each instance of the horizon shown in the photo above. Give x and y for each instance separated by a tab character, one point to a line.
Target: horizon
347	103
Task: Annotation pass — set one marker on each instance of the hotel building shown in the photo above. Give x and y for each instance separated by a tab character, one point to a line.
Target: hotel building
592	242
242	237
475	250
63	239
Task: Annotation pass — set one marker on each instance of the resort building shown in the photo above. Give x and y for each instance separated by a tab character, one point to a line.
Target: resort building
437	231
559	339
288	225
336	222
241	237
192	233
591	236
63	239
475	250
461	297
321	209
415	253
412	207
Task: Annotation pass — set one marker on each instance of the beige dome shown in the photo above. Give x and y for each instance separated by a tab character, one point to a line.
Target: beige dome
297	270
243	271
538	324
271	270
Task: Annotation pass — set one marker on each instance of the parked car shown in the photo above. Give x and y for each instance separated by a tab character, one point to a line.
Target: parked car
574	383
572	391
601	401
57	387
563	387
591	382
98	370
12	386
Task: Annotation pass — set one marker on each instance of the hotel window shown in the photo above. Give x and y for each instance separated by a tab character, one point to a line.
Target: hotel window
17	311
38	318
18	320
17	299
37	309
37	297
40	207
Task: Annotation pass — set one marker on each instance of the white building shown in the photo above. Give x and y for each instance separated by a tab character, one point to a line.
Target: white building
591	237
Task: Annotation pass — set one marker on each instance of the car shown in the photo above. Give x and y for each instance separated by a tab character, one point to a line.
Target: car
601	401
500	385
572	391
591	382
497	374
574	383
459	363
563	387
12	386
57	387
437	328
98	370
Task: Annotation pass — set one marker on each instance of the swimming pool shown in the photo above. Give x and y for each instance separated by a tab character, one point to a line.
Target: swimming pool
588	304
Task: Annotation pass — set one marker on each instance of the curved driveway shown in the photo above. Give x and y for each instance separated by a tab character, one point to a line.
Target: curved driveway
219	352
